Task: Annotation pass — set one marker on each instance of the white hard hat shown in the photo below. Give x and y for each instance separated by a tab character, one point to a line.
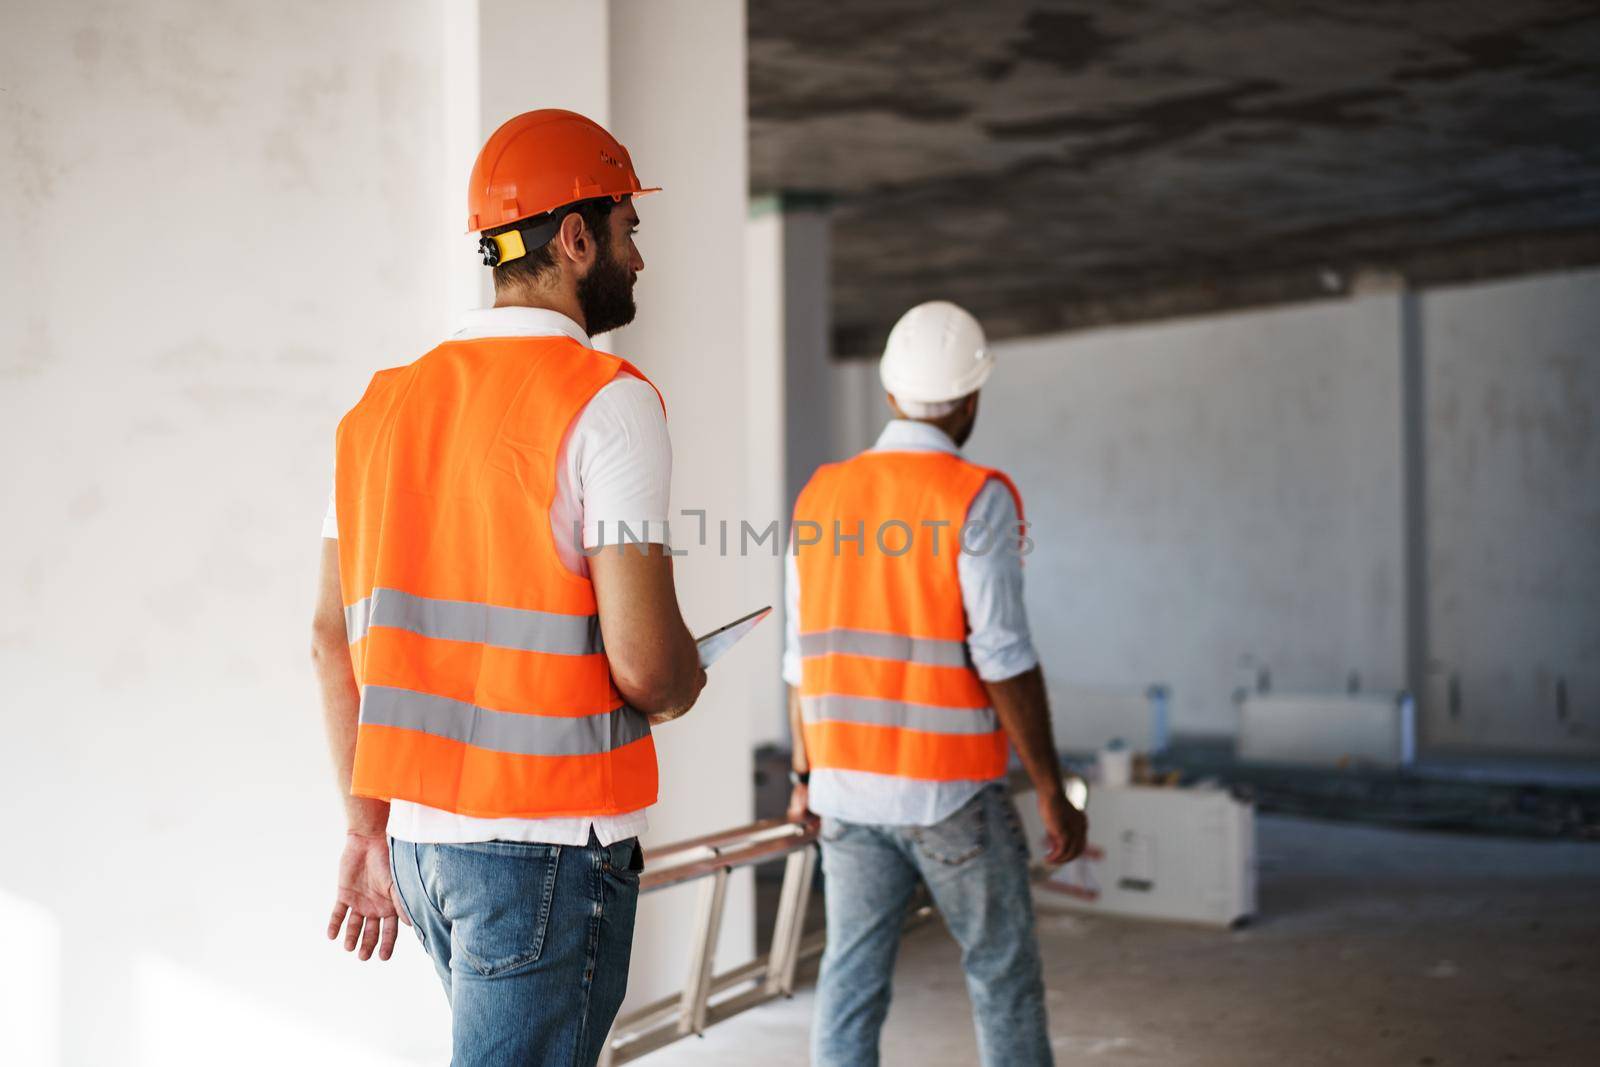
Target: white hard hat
936	352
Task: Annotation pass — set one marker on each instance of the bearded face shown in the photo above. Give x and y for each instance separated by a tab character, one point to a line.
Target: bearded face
605	294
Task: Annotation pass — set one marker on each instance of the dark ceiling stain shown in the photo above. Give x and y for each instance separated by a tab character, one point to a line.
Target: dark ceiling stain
993	70
1346	109
1066	40
1500	50
1174	116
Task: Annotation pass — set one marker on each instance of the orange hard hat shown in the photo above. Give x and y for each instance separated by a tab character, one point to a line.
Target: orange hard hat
543	160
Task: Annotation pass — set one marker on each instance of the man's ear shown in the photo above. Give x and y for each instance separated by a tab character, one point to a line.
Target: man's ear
577	243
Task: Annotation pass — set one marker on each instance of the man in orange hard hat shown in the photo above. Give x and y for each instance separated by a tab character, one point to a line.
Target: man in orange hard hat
489	685
910	669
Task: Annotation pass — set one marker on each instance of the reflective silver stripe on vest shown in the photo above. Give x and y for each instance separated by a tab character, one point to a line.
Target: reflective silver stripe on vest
502	731
924	717
462	620
931	651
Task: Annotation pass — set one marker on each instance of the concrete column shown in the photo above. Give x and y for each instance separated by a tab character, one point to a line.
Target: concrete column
766	488
795	232
677	102
1414	470
791	381
1388	632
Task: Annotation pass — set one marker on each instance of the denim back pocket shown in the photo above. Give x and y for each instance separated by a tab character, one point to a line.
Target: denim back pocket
497	896
958	838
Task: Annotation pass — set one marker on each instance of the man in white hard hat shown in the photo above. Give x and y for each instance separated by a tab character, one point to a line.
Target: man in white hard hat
910	668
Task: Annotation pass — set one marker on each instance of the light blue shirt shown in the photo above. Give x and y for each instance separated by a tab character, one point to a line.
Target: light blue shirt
998	642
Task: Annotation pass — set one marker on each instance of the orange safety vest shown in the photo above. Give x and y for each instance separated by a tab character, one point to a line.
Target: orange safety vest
886	683
484	684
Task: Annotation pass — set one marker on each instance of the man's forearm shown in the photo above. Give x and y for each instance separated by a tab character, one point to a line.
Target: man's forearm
652	655
798	758
341	706
1024	713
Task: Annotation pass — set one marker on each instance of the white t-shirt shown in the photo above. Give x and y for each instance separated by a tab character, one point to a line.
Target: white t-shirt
614	466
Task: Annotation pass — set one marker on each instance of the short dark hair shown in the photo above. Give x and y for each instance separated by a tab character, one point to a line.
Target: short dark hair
535	267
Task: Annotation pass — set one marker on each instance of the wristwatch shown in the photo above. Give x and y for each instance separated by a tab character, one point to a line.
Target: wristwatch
799	777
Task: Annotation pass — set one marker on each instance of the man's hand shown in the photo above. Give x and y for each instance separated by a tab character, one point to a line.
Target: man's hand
1024	713
800	807
367	903
1066	829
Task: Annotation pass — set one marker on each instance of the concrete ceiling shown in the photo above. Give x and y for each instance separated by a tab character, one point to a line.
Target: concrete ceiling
1055	165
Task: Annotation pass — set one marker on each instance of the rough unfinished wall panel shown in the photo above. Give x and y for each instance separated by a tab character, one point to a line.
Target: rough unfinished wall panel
1513	473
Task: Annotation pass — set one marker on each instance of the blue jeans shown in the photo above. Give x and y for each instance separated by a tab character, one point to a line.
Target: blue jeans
975	864
531	941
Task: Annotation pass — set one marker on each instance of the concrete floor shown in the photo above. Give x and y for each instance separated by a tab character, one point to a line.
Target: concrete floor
1373	946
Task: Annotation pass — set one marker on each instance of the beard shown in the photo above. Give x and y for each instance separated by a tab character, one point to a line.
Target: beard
605	294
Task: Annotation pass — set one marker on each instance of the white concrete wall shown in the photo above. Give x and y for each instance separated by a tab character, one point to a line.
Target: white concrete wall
1206	490
1512	388
221	217
218	224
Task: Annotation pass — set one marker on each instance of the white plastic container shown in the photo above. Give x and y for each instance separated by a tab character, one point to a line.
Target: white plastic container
1116	767
1156	853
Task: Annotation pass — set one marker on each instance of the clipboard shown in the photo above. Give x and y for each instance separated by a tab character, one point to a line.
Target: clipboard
718	641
